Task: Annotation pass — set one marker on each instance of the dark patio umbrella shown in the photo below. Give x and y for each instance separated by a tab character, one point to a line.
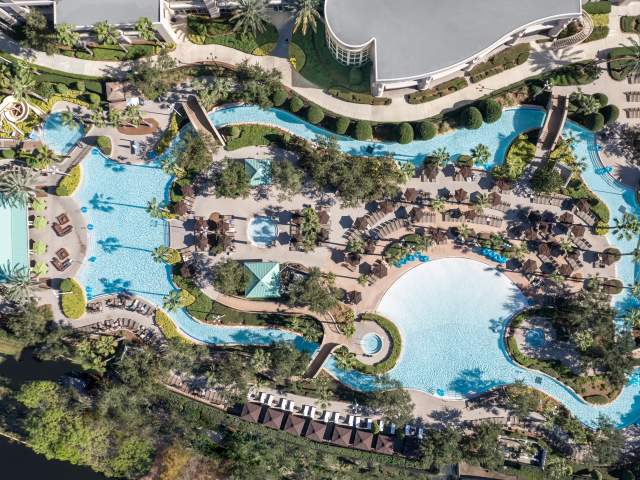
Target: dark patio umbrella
530	266
411	195
530	234
187	191
466	172
201	224
460	195
495	198
577	230
387	206
534	216
431	172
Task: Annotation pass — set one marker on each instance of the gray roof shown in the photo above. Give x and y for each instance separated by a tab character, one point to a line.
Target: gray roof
418	37
89	12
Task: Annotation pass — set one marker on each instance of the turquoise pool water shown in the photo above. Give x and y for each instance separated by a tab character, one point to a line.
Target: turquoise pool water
262	231
371	343
57	136
113	198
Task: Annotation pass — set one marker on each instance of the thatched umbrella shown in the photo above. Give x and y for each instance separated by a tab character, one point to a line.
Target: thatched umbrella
466	172
610	256
577	230
530	234
530	266
566	218
484	236
187	191
565	270
370	247
431	172
495	198
411	195
612	286
503	185
583	205
543	249
460	195
181	208
185	271
386	206
201	224
417	214
361	223
323	217
379	270
470	214
354	297
353	259
202	243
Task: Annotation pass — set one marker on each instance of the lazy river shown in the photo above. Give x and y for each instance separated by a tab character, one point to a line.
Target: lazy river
122	235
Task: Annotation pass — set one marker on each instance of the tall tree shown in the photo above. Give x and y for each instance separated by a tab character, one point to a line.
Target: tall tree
145	29
18	284
306	15
250	17
66	35
17	186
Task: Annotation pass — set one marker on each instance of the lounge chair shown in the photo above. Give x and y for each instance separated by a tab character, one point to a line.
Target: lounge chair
61	266
62	253
62	219
60	230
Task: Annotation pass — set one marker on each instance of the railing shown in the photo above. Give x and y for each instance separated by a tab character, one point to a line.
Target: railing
581	36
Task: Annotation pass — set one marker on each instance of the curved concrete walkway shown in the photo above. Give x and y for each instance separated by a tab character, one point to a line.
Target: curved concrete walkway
187	53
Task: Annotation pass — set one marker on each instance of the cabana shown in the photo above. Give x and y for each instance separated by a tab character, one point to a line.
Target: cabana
530	266
294	424
379	270
384	444
251	412
273	418
341	436
316	431
363	440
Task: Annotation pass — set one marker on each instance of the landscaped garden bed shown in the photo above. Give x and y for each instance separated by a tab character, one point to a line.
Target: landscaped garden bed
219	31
618	63
504	60
72	299
630	24
438	91
114	52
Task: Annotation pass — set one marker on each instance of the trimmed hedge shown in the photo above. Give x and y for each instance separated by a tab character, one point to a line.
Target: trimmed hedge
602	99
595	8
471	118
616	62
610	113
598	33
73	302
315	114
296	104
504	60
342	125
405	133
69	182
279	97
629	24
438	91
354	97
169	134
595	122
363	130
395	348
427	130
167	327
104	144
491	110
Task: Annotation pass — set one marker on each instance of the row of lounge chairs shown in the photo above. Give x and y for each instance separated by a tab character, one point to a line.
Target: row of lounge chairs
634	78
501	207
135	305
109	325
487	220
555	200
207	394
632	112
389	227
582	243
633	96
587	217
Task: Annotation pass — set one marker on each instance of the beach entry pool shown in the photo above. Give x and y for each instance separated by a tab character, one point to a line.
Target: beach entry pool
371	343
262	231
59	136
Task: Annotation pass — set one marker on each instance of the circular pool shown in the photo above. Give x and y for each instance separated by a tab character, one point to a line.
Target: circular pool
262	231
534	337
371	343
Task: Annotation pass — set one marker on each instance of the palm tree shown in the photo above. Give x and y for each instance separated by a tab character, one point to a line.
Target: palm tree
19	285
97	117
464	232
480	154
66	35
442	156
171	302
481	202
518	251
133	115
6	76
17	186
22	82
306	15
68	118
626	227
630	63
106	34
344	358
632	317
145	29
438	204
250	17
114	117
45	156
579	166
155	209
566	246
160	254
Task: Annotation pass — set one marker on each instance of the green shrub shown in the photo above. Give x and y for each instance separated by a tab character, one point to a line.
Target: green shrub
279	97
595	8
491	110
594	122
296	104
440	90
405	133
8	153
168	135
504	60
355	76
315	114
427	130
598	34
602	99
45	89
354	97
79	86
610	114
62	89
471	118
104	144
363	130
629	24
597	399
618	59
342	125
93	98
69	182
167	327
596	475
234	131
73	301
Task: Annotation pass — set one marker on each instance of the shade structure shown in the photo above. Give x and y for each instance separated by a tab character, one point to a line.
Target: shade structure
431	171
495	198
363	439
323	217
273	418
341	435
530	266
577	230
294	424
411	195
202	243
181	208
612	286
530	234
566	218
466	172
417	214
544	249
316	431
251	412
353	259
370	247
610	256
187	191
503	185
201	224
460	195
470	214
264	279
361	223
565	270
354	297
387	206
384	444
583	205
379	270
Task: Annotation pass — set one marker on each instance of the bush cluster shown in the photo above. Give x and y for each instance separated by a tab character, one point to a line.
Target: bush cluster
74	303
69	182
296	104
471	118
630	24
354	97
504	60
363	130
279	97
104	144
426	130
595	8
438	91
167	327
315	114
491	110
342	125
405	133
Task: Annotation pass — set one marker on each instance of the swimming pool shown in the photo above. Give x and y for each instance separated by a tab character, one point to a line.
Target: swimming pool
534	337
262	231
58	136
371	343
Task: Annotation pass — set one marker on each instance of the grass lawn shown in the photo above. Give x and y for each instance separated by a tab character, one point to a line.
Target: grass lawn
252	135
320	66
114	53
219	31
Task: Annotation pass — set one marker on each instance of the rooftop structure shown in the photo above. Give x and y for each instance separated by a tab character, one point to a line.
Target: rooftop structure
258	170
411	42
14	248
264	279
89	12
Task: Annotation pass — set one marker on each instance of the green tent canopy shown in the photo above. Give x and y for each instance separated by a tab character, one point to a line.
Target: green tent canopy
264	280
258	170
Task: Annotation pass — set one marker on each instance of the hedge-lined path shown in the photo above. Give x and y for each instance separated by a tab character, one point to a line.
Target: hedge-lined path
188	53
